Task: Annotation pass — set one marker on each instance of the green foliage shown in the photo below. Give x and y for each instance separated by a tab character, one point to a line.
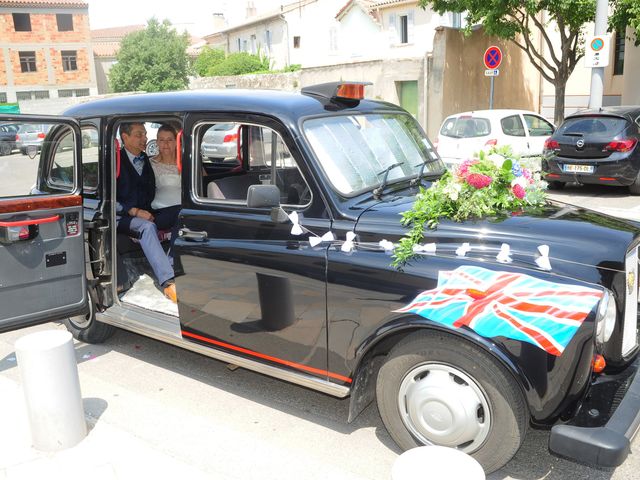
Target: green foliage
239	64
153	60
626	13
491	184
208	59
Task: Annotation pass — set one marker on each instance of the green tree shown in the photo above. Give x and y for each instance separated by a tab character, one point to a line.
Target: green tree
519	21
627	13
208	59
154	60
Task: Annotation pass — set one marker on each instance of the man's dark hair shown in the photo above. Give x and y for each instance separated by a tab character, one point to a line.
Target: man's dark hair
126	128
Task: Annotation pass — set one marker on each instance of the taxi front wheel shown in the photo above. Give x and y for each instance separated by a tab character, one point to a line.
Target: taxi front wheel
434	389
85	327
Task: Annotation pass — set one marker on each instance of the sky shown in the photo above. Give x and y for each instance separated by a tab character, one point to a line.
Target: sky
195	16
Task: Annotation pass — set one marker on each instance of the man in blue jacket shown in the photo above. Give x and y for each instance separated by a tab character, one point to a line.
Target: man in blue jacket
135	189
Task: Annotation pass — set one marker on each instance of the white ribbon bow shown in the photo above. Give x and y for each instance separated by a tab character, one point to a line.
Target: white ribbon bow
428	248
462	250
327	237
347	246
504	254
543	260
296	229
386	245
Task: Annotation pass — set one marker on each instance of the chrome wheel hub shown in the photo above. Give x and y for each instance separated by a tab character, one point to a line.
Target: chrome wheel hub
441	405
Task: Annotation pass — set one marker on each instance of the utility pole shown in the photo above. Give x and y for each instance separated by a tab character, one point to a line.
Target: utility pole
597	73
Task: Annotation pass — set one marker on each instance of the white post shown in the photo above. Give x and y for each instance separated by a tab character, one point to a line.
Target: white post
597	73
436	463
51	388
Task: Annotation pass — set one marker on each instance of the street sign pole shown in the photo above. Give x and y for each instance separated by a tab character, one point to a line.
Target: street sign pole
597	73
491	95
492	59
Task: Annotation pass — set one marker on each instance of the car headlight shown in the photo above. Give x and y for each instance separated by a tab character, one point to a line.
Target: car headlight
606	318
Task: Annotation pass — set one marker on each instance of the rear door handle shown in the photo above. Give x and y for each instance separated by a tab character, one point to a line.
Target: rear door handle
31	221
191	235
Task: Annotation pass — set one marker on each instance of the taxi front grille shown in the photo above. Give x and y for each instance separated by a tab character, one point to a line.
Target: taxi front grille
630	327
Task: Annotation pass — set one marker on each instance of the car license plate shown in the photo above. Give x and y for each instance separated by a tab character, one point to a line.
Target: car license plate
578	168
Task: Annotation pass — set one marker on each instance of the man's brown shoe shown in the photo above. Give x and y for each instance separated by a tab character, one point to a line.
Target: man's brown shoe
170	292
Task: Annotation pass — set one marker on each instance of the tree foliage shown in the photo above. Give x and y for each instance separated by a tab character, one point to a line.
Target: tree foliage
626	13
523	22
208	59
153	60
235	64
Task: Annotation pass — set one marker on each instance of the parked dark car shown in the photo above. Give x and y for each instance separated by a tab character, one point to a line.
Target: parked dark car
7	138
283	267
595	147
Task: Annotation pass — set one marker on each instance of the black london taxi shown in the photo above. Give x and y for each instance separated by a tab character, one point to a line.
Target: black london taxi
283	267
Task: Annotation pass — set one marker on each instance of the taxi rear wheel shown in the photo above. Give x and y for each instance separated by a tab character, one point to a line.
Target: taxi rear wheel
85	327
555	185
435	389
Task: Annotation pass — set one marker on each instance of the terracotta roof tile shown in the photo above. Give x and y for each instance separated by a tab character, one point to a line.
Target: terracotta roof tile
114	34
44	3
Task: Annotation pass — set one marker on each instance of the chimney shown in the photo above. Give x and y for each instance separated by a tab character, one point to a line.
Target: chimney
219	22
251	9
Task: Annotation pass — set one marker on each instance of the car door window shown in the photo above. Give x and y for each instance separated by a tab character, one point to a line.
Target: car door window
61	169
512	125
90	151
538	126
235	156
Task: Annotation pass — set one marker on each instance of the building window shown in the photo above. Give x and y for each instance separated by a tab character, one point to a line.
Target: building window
404	29
618	55
333	39
65	22
69	60
3	97
239	45
39	94
267	41
70	92
27	61
296	42
22	22
254	47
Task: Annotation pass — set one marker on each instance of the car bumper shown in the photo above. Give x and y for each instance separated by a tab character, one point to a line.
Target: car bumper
621	172
608	445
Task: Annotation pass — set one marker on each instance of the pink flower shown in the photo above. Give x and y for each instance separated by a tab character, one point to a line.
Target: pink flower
478	180
526	173
518	191
463	169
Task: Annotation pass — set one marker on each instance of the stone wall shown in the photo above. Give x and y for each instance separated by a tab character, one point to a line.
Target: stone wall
276	81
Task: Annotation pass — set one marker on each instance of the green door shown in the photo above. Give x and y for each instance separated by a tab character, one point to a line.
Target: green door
408	94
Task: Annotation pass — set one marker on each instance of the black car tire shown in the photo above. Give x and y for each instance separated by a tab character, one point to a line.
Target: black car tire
634	188
5	148
86	328
555	185
461	374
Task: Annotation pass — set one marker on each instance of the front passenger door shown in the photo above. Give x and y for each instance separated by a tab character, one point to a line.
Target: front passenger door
42	269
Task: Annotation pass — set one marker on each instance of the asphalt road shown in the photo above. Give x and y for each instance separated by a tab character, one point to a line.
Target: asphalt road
239	424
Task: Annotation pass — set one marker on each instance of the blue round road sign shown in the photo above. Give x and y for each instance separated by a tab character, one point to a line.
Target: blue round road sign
492	57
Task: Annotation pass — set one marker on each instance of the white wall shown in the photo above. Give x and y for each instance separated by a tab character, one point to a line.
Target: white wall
631	78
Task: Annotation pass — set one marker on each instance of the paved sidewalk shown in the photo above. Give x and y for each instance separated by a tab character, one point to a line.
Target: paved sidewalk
106	452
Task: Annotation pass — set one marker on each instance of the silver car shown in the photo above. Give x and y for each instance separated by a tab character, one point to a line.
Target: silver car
31	134
220	142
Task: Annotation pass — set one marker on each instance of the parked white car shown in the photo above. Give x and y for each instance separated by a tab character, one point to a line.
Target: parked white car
464	134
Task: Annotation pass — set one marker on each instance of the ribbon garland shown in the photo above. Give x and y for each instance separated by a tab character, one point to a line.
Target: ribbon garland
350	244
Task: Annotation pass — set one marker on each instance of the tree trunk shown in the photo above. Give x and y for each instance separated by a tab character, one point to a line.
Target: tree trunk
558	113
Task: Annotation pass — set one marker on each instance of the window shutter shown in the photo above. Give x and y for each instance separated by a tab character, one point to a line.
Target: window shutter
393	29
410	27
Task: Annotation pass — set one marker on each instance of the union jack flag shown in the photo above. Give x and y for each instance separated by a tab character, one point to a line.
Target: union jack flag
511	305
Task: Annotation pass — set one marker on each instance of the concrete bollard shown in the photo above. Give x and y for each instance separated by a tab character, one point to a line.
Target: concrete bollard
436	463
51	388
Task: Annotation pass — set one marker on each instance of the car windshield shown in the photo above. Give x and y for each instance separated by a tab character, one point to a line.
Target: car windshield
465	127
593	126
355	150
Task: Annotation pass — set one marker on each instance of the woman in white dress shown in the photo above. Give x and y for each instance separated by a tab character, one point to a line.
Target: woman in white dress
166	203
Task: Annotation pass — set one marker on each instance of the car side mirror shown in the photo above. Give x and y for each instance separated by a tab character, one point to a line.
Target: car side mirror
278	215
260	196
